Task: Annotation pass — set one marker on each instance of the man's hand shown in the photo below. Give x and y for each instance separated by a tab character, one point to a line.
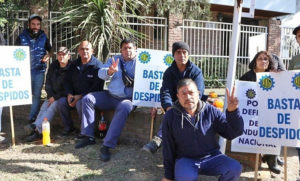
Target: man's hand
45	58
165	179
73	101
232	102
168	108
113	67
50	101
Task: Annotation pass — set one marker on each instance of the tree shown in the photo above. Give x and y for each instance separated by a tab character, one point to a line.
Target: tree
102	22
191	9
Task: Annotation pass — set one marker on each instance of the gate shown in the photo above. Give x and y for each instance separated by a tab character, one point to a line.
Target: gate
288	46
210	44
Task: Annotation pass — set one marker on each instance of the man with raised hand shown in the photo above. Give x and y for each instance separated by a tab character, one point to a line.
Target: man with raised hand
190	130
117	97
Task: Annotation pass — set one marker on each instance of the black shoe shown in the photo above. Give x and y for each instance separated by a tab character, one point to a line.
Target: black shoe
79	137
34	137
153	145
104	153
67	132
272	163
29	129
280	161
85	142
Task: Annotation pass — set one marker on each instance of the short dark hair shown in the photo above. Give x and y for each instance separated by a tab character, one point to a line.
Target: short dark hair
185	82
126	41
252	64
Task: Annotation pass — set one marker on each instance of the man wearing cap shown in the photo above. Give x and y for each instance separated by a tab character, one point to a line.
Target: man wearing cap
81	79
40	52
55	91
181	68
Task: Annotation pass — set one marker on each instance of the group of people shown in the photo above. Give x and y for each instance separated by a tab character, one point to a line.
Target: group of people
189	128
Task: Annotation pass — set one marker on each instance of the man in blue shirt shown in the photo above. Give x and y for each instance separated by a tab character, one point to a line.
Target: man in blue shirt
40	52
117	97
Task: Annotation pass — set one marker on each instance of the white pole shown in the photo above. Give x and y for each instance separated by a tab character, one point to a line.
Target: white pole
237	14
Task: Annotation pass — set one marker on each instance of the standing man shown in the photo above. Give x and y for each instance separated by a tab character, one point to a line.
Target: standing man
118	97
181	68
81	79
190	128
295	65
40	52
55	90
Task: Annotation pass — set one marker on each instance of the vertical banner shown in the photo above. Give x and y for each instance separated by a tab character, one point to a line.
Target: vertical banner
279	95
15	81
246	92
149	70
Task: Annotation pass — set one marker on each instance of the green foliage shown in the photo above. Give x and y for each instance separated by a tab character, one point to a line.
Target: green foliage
102	22
191	9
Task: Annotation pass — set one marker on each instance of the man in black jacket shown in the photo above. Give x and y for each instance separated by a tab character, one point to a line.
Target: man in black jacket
55	91
81	79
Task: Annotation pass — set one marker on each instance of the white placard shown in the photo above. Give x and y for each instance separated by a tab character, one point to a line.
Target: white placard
149	70
15	80
256	43
248	105
279	95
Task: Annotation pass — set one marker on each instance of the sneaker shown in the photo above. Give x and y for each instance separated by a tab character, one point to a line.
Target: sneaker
29	129
104	153
34	137
85	142
2	139
153	145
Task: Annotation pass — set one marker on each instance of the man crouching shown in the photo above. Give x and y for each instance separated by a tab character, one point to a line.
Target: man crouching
190	145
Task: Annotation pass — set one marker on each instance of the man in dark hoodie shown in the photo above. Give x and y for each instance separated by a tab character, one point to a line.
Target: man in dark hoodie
181	68
81	79
189	132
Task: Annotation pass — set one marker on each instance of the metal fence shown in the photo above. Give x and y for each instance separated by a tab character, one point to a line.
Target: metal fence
288	45
18	23
153	33
210	45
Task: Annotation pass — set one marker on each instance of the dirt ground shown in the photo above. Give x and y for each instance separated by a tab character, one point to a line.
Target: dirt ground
60	161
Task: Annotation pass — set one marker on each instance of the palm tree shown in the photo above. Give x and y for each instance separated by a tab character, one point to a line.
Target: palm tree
102	22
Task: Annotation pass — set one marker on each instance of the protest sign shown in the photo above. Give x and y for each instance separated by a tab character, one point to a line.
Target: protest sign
15	81
149	70
279	95
246	92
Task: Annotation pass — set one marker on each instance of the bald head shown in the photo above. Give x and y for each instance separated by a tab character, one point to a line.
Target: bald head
85	51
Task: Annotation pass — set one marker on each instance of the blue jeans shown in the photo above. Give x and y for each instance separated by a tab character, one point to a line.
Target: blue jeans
37	81
64	112
45	111
228	168
104	101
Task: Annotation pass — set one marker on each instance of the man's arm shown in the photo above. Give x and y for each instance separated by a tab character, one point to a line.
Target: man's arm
48	86
166	92
233	125
103	73
48	47
168	147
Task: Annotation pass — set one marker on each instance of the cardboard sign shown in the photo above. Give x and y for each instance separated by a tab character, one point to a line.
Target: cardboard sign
149	70
15	80
246	92
279	95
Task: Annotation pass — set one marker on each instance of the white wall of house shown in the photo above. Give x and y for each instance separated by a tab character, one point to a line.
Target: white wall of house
284	6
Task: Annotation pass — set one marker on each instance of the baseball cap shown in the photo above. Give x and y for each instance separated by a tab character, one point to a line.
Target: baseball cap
34	16
65	50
